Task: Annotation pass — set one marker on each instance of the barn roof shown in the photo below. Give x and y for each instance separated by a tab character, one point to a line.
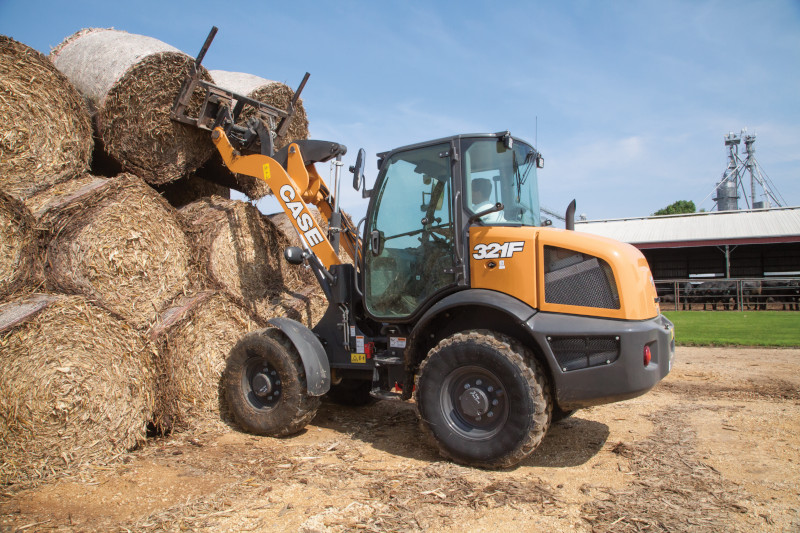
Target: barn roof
758	226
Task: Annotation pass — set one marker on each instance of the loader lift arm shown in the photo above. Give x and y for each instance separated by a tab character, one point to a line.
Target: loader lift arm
289	173
296	184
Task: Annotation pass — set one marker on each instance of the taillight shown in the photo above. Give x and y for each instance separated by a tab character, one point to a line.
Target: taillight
648	356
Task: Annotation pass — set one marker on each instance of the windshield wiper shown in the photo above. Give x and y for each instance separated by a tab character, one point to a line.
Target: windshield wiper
521	179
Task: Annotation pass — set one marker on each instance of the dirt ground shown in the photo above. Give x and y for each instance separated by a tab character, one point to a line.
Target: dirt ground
714	447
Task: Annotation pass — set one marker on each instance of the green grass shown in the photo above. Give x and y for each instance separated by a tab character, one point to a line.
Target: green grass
731	328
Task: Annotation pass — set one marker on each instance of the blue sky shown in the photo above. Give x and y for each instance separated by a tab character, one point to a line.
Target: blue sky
632	98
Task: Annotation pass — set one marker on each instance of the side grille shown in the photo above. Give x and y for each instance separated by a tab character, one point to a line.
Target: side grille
572	278
574	353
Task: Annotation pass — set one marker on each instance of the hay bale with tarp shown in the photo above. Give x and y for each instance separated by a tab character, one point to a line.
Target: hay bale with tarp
132	82
274	93
194	337
120	244
241	251
45	132
77	387
20	263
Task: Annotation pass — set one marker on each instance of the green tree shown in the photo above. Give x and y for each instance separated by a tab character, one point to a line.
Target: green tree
678	208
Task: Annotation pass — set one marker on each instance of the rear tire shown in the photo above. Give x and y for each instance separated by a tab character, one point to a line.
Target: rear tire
265	385
484	399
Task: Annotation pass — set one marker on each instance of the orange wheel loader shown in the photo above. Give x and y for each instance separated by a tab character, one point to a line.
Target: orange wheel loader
459	296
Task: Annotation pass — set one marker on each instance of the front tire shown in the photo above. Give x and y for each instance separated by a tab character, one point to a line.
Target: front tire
265	385
484	399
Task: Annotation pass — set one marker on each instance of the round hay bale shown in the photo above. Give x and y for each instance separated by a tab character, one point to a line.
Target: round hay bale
77	387
194	337
20	263
242	253
121	245
132	82
274	93
45	132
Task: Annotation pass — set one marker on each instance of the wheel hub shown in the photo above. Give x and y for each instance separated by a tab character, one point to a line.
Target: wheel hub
262	385
474	402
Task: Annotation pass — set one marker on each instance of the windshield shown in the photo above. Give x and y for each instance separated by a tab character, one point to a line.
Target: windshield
494	173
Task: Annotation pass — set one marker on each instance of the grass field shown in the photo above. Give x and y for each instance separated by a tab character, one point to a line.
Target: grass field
720	328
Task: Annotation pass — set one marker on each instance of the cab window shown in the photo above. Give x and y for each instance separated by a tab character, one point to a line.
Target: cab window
494	173
410	233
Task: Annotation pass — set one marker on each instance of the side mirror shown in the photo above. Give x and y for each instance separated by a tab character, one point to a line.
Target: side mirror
358	170
294	255
540	162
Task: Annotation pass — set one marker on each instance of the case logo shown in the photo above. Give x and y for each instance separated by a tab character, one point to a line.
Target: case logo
495	250
301	216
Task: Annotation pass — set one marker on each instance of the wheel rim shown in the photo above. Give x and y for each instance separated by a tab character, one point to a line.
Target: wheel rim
261	384
474	402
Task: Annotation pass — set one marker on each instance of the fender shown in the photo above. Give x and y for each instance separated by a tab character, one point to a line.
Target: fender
482	297
315	360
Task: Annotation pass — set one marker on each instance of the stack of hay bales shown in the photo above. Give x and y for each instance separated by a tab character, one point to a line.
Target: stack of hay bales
117	311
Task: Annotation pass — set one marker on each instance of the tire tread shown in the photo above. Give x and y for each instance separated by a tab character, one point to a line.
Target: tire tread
529	367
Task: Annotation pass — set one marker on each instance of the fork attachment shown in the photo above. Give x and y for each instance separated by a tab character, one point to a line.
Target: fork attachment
222	108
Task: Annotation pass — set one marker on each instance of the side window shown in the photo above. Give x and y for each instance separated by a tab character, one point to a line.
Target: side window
496	174
411	233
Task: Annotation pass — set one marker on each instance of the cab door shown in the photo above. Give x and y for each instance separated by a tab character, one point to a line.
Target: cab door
410	233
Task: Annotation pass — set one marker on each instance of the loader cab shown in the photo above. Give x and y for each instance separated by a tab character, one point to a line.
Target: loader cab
425	197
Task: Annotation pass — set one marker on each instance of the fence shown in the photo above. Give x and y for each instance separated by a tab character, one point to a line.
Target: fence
755	294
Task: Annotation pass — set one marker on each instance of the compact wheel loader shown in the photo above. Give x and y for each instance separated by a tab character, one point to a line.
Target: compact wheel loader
459	295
